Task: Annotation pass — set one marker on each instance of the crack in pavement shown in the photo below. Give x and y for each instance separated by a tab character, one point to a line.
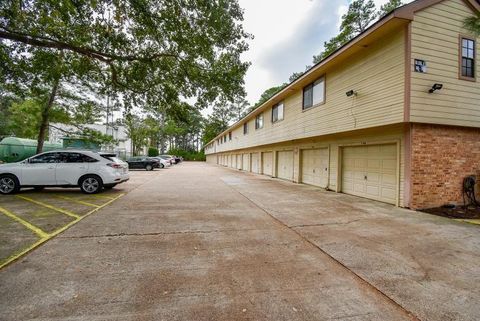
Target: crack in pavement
369	285
324	224
157	233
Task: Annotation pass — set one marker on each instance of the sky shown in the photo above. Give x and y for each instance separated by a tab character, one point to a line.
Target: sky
287	33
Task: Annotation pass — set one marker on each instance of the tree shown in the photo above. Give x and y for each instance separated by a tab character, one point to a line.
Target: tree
167	49
360	14
472	24
239	108
136	131
389	7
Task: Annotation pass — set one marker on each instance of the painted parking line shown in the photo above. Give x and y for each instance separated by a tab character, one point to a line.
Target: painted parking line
16	256
102	196
471	221
49	206
33	228
77	201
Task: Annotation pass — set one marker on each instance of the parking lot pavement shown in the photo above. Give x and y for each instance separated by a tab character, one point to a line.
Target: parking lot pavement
31	218
218	244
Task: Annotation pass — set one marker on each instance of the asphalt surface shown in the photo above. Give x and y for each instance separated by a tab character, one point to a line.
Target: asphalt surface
201	242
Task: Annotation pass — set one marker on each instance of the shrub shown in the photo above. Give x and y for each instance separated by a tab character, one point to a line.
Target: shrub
152	152
188	155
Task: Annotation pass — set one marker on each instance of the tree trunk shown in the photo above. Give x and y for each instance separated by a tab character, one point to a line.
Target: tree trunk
45	116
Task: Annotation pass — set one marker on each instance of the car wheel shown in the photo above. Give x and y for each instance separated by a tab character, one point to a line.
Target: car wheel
109	186
91	184
149	167
9	184
162	166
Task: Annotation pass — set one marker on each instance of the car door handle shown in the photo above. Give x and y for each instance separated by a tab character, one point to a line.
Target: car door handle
51	167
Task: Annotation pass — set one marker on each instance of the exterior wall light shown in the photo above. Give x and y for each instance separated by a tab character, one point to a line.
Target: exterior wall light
351	93
435	87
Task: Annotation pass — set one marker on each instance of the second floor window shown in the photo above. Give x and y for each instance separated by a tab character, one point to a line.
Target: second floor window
245	128
259	121
314	93
277	112
468	58
230	136
225	138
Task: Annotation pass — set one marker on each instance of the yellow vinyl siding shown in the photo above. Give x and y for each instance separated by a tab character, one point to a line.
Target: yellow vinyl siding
435	39
376	73
393	134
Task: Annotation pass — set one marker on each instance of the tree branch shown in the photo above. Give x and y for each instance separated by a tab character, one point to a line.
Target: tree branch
45	42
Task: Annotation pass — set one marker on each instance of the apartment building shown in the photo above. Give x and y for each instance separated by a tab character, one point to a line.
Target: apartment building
393	115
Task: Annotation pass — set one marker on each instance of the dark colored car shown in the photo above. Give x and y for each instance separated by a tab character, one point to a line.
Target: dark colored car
143	162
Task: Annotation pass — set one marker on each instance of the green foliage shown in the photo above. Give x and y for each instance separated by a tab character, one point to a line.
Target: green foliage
472	24
389	7
269	93
187	155
150	53
212	127
24	118
358	17
152	152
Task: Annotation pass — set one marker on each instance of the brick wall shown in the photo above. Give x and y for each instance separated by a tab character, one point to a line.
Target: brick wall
441	157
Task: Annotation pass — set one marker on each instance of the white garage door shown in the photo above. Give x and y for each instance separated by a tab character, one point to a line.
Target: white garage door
371	172
285	165
267	163
254	162
239	161
246	162
314	167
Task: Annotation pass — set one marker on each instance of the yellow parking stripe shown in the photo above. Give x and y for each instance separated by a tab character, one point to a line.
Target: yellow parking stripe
471	221
49	236
28	225
76	201
103	196
49	206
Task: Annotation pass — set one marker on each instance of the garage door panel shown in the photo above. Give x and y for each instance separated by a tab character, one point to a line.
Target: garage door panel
314	167
254	160
370	171
390	179
285	165
267	163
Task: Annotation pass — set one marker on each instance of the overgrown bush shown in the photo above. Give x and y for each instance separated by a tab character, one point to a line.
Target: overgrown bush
188	155
152	152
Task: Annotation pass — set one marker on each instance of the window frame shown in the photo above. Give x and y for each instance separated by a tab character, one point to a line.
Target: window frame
460	58
313	105
245	128
282	103
257	127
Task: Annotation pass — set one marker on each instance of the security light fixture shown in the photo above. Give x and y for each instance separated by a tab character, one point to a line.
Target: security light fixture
351	93
435	87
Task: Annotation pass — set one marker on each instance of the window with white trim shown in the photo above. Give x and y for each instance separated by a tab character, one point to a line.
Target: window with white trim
277	112
259	121
314	93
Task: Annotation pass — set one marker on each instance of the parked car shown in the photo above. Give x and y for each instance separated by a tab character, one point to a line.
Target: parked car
163	163
91	171
143	162
168	158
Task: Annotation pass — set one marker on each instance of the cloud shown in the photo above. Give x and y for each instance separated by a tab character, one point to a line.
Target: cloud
293	53
287	35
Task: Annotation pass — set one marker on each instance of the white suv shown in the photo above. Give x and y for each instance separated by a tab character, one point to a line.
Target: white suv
88	170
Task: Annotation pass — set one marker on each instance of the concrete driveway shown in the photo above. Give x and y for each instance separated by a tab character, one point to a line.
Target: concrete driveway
200	242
